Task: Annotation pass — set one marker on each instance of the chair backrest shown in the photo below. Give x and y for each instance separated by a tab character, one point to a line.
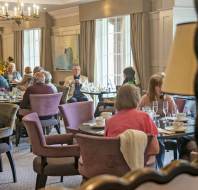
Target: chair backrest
180	103
45	104
7	118
102	154
179	175
35	132
65	91
75	114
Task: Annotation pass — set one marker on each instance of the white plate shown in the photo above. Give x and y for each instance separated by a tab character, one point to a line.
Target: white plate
176	129
98	126
184	119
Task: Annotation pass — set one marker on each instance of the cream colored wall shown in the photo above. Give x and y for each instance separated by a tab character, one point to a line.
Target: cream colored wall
8	42
160	16
161	36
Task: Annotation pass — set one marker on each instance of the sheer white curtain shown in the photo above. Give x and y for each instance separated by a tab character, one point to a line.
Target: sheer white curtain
31	48
113	50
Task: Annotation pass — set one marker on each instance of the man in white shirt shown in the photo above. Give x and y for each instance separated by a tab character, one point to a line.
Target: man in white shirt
75	83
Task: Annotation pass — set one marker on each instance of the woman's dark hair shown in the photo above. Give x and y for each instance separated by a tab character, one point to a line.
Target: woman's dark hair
129	73
10	59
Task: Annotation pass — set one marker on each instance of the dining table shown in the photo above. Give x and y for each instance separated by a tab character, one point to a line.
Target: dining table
165	132
99	93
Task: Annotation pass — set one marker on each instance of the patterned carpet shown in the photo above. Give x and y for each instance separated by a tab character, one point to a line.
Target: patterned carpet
26	177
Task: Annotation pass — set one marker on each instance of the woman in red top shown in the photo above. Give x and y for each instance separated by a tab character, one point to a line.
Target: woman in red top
128	117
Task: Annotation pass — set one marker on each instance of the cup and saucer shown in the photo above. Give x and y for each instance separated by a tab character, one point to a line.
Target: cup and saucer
181	117
100	122
106	115
177	127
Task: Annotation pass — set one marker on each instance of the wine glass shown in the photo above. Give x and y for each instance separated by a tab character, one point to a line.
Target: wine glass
155	109
165	109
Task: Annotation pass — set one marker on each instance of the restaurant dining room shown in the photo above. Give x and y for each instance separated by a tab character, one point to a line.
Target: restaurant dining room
98	95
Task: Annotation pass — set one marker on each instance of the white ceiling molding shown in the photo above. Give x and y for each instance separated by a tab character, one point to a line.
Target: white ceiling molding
50	2
67	12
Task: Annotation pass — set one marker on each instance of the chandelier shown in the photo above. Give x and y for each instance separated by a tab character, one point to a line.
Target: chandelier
20	12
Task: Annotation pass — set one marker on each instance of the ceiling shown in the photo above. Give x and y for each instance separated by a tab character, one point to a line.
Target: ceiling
49	5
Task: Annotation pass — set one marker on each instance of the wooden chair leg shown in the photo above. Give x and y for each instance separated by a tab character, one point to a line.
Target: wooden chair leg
61	179
12	165
175	153
18	134
40	181
57	127
1	165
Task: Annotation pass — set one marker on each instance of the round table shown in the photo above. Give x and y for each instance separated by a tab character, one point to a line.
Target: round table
99	131
99	93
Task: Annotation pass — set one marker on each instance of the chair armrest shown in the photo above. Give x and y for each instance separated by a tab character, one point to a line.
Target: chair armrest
60	151
59	139
5	132
152	146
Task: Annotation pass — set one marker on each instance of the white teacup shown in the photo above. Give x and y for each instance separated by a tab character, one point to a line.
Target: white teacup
100	121
180	116
106	115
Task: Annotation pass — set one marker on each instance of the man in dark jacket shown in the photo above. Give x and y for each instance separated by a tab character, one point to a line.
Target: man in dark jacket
39	87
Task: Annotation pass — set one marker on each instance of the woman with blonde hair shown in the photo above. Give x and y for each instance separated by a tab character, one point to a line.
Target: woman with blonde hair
11	75
154	94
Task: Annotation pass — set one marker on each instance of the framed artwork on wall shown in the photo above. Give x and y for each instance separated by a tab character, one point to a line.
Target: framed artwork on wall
66	51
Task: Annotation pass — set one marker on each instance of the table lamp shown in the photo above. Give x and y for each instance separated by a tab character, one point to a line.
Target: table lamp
182	63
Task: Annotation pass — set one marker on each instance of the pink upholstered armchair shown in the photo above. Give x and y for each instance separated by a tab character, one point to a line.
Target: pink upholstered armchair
49	151
46	106
104	156
75	114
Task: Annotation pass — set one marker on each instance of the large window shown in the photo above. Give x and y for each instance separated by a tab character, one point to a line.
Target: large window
32	47
113	50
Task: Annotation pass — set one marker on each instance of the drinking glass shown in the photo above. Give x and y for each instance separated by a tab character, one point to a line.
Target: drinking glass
155	109
165	109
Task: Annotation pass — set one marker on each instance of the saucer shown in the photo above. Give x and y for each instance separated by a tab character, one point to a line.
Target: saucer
99	126
183	119
176	129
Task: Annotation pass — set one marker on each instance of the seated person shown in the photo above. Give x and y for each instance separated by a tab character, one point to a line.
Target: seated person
48	81
75	83
190	108
129	75
27	79
38	87
154	93
11	75
37	69
128	117
107	105
3	83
